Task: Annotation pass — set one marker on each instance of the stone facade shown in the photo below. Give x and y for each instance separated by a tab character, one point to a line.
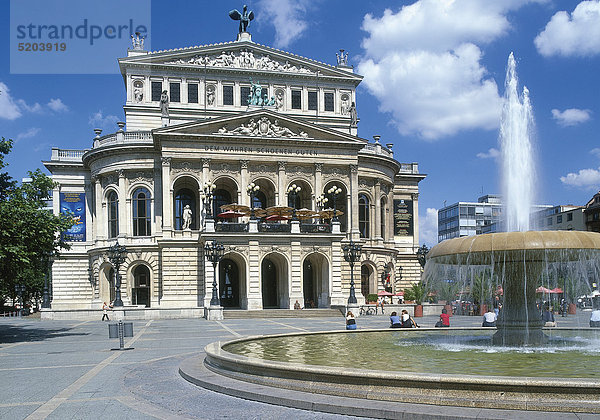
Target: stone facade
135	182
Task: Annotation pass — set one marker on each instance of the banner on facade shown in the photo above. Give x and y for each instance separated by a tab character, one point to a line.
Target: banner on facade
403	218
74	203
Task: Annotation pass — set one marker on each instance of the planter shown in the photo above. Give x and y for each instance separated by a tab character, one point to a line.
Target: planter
572	309
418	311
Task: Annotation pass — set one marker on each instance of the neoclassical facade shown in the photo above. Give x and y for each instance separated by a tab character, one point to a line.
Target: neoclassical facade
231	115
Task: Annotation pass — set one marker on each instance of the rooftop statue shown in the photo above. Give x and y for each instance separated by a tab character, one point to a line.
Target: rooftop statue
245	17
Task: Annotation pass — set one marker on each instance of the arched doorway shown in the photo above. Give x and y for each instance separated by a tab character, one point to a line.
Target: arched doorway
107	284
269	284
140	293
315	281
364	280
275	282
229	283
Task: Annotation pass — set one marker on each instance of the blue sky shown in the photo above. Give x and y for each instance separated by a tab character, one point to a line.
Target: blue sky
434	73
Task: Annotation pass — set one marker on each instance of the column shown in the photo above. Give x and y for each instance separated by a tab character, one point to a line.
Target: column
353	202
390	219
124	204
244	198
281	179
318	182
377	217
99	224
167	219
415	218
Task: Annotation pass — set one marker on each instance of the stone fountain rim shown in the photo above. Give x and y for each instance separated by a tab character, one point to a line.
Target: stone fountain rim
517	241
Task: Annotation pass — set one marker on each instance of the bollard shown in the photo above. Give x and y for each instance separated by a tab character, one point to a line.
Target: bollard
120	331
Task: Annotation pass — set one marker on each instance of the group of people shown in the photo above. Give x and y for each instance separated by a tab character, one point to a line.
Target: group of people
396	321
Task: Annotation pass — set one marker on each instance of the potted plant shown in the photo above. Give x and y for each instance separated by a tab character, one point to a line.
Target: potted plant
371	298
416	293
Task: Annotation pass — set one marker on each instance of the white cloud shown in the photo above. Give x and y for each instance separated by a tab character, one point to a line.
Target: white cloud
31	132
57	105
35	108
428	227
596	152
9	110
423	63
287	16
99	120
585	178
492	153
577	34
571	116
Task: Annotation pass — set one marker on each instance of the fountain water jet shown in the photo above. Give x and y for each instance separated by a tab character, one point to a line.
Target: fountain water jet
519	258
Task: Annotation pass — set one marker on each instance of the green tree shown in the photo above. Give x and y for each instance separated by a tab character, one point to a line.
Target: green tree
29	234
416	292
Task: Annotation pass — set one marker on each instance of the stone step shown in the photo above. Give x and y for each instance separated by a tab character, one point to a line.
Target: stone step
281	313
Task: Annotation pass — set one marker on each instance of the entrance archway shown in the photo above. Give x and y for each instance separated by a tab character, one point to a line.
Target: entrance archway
315	281
229	283
140	293
274	282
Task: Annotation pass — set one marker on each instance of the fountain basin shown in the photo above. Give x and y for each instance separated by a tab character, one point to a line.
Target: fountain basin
415	386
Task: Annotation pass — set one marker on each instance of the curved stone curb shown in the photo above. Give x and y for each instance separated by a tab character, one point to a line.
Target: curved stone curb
195	371
527	393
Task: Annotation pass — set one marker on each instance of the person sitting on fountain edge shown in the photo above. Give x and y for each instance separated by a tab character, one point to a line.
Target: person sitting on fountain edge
489	319
395	320
444	319
595	318
548	317
350	321
407	321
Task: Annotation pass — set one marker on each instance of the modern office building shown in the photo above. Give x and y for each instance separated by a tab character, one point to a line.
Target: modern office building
567	217
469	218
200	132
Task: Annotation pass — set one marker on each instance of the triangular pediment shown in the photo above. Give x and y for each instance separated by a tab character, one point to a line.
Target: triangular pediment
239	55
260	124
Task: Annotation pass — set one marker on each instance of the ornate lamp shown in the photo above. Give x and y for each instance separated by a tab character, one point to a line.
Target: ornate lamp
207	196
352	252
20	289
214	252
252	189
422	255
293	192
334	191
321	201
116	255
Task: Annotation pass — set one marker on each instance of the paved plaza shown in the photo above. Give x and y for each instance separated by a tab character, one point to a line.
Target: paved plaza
67	370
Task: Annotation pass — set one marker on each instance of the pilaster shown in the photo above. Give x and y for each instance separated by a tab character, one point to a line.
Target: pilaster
281	180
167	218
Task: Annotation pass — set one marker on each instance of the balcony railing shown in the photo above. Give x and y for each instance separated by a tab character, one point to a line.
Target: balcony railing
124	137
67	155
315	228
274	227
231	227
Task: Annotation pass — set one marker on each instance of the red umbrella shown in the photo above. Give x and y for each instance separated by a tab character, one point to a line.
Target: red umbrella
399	294
230	214
556	290
276	218
542	289
384	293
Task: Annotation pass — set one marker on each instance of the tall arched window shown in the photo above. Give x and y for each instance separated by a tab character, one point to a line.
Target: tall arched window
184	197
220	198
260	200
141	212
382	217
113	214
363	216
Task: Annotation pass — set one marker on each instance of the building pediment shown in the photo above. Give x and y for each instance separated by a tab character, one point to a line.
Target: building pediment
238	55
265	124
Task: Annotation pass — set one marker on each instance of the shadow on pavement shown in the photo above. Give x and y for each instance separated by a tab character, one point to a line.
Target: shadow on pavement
16	334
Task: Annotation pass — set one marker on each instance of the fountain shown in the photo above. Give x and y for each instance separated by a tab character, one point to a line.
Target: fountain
517	260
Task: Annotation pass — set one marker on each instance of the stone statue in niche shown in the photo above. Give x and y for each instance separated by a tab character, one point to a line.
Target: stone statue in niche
345	106
164	104
210	95
279	100
353	115
138	94
186	217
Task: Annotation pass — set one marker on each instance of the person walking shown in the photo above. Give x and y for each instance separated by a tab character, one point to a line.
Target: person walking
105	312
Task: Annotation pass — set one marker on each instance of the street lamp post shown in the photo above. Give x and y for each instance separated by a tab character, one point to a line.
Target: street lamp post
252	189
214	252
207	197
116	255
352	252
20	289
422	255
334	191
46	294
293	192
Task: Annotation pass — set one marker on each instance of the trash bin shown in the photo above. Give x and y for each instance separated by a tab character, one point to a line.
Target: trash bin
113	330
128	329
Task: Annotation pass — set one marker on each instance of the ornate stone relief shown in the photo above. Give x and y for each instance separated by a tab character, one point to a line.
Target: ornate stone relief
110	179
277	248
165	160
243	59
224	168
179	167
334	172
264	127
298	170
365	183
415	196
140	176
243	164
264	169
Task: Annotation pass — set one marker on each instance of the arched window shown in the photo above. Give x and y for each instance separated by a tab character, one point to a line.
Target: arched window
220	198
260	200
113	214
297	203
382	217
140	294
363	216
184	197
141	212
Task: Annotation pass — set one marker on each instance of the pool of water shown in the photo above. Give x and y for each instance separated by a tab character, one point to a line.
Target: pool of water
569	354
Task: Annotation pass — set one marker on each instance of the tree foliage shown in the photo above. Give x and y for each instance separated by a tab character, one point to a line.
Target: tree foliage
416	292
28	233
